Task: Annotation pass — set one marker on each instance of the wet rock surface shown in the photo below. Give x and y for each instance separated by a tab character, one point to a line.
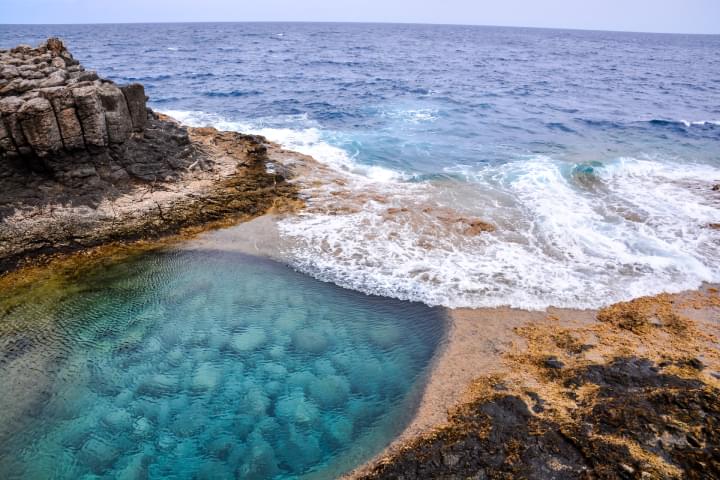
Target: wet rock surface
83	161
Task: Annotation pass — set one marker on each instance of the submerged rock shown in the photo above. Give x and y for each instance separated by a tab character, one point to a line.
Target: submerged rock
297	409
136	468
117	419
329	391
206	378
98	455
159	384
249	340
310	341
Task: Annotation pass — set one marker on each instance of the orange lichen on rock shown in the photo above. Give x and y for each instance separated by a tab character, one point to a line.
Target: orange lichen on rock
635	394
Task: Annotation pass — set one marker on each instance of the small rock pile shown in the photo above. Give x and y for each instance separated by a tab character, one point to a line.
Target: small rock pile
50	104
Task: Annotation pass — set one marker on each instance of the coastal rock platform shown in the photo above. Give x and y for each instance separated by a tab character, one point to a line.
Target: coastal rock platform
83	162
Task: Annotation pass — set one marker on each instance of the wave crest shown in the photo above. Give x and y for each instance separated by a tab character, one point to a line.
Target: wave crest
566	235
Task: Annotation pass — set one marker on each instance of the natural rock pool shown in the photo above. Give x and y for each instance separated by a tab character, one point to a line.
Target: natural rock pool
204	364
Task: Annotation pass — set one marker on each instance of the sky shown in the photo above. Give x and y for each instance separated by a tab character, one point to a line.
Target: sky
671	16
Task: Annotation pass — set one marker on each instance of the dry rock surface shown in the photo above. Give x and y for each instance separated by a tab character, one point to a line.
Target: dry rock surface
83	161
51	106
631	393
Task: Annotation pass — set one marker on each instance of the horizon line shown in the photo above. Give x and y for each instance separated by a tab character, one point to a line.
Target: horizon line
361	23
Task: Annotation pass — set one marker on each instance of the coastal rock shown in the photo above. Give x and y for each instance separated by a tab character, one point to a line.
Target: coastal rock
40	127
84	162
9	107
117	114
91	116
63	103
53	106
135	97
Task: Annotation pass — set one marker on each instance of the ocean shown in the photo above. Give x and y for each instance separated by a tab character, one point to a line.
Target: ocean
593	154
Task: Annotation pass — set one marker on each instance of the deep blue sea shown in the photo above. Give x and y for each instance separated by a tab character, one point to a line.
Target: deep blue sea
594	154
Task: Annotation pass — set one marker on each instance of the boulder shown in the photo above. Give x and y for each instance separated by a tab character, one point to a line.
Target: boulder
91	116
18	85
55	46
22	49
58	62
39	126
9	107
98	455
86	76
63	103
9	71
5	139
135	97
249	340
117	116
56	78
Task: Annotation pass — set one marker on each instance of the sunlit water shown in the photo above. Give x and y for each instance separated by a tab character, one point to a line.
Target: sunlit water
594	153
204	364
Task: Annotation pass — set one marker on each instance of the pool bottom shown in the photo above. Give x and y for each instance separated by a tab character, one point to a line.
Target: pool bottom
206	364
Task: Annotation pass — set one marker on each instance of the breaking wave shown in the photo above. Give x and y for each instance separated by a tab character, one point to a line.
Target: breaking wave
577	235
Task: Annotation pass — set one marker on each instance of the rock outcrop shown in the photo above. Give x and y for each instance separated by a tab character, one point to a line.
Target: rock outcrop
63	122
83	161
51	105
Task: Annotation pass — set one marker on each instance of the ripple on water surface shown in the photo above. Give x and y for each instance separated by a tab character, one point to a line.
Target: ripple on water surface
205	364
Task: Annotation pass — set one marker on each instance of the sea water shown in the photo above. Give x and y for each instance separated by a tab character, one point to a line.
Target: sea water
594	154
196	364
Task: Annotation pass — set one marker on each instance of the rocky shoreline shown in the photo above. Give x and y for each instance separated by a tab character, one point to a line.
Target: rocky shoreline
630	391
84	162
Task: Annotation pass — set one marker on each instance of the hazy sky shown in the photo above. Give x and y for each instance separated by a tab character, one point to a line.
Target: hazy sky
687	16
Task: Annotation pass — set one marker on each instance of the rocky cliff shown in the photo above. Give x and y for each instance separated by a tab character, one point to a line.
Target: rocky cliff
83	161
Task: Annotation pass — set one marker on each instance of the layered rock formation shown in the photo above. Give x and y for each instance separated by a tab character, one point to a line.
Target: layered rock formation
62	121
51	105
83	161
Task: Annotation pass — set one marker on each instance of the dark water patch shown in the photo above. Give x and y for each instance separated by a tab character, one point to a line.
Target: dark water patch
233	93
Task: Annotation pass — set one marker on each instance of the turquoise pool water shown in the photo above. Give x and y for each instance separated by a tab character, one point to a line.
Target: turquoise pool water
205	364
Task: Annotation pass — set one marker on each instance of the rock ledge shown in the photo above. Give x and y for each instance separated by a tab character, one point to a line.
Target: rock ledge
83	161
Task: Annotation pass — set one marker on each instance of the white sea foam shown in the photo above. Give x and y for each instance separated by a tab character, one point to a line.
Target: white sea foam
567	235
413	116
308	140
690	123
565	238
702	122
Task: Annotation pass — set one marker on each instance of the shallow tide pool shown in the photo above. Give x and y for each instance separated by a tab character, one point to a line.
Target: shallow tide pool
204	364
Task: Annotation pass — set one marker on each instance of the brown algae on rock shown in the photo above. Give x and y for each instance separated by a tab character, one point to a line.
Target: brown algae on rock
633	395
